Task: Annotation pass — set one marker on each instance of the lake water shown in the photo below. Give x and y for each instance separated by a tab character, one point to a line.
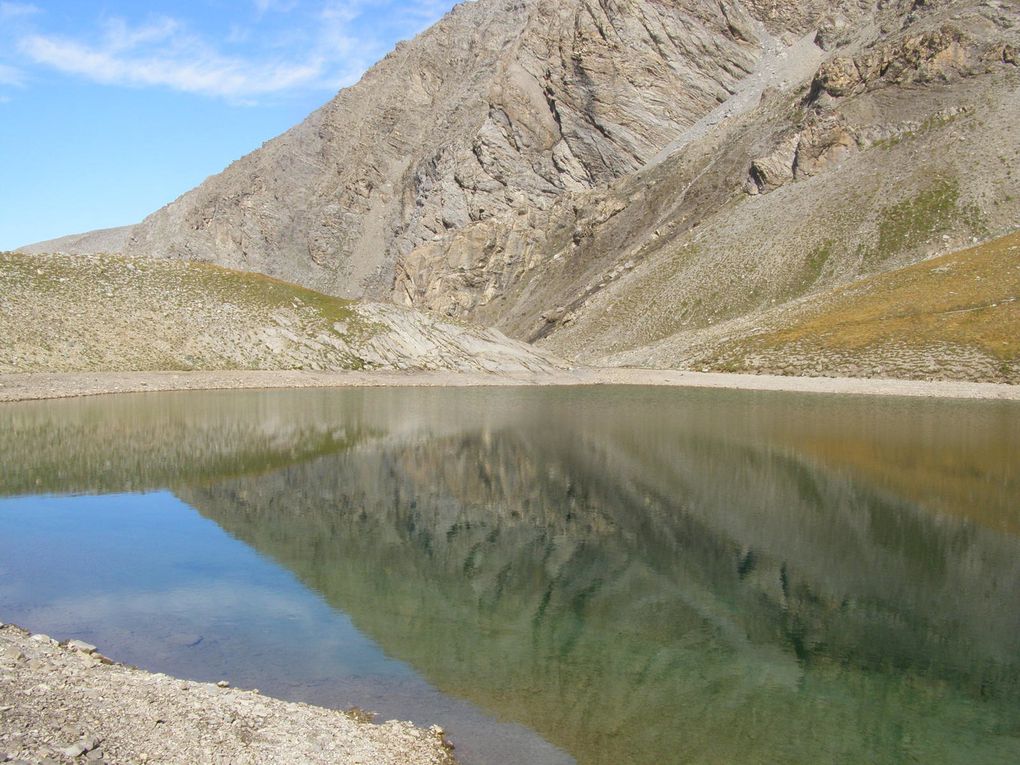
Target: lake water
593	575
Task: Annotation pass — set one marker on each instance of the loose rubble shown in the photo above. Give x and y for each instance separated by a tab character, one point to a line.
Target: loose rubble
67	703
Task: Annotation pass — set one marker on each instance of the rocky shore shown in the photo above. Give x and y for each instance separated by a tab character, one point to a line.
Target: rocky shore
67	703
49	385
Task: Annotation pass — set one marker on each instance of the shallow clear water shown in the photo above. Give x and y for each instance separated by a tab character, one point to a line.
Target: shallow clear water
606	575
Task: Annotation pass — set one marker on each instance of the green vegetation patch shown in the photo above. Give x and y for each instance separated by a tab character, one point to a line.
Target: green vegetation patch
810	271
933	122
911	222
267	292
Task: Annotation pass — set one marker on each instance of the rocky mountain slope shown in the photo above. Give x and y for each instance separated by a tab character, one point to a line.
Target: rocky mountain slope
107	313
810	186
501	106
632	181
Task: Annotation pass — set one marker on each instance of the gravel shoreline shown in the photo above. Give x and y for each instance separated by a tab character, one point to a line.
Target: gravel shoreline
35	386
66	703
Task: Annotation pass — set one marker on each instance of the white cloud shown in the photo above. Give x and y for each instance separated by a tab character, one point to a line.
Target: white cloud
10	10
189	69
320	45
120	36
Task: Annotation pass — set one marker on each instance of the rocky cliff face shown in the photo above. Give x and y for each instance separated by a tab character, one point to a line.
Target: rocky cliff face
502	106
859	149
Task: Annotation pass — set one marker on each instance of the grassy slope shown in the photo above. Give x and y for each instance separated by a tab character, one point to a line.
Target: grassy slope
954	316
67	313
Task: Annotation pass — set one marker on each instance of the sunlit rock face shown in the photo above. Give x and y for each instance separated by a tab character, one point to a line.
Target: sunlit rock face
501	105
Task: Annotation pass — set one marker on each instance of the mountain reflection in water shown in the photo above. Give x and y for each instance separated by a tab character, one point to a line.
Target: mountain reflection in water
639	575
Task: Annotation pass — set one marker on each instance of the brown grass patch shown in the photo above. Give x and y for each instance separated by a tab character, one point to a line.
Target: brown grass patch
969	298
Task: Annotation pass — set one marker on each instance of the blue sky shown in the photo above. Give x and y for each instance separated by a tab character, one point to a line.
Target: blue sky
109	110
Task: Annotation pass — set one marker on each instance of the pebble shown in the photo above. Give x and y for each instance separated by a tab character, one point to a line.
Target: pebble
81	645
60	724
74	750
223	684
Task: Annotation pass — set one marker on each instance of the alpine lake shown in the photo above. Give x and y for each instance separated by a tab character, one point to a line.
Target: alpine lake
596	575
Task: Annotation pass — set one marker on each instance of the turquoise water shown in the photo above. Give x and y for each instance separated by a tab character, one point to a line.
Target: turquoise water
599	575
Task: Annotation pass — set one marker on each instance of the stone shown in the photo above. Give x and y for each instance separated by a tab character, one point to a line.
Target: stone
775	169
81	646
821	146
832	32
223	684
838	77
76	749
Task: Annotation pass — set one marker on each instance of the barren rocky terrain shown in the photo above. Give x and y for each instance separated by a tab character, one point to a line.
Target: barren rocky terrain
65	702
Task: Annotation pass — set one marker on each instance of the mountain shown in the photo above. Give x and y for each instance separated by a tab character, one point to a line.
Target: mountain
640	182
